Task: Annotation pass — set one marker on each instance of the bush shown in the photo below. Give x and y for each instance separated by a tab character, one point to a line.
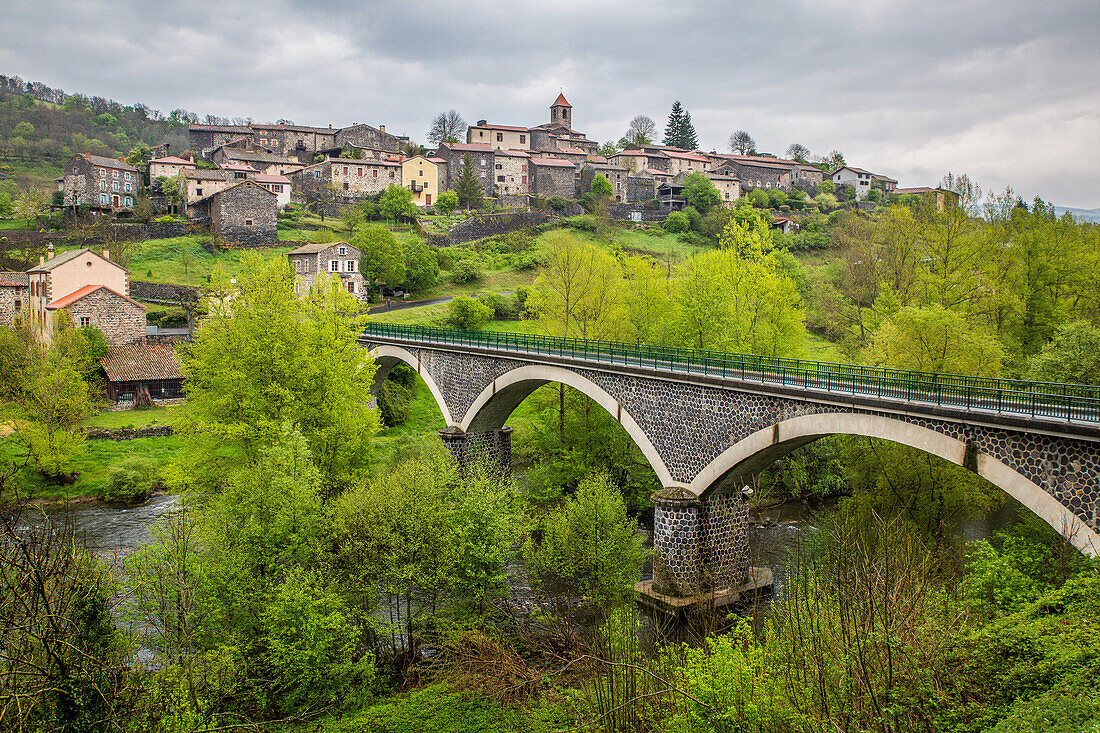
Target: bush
468	314
131	480
677	222
695	219
695	239
166	219
584	222
558	203
759	198
394	399
505	308
532	259
468	270
446	202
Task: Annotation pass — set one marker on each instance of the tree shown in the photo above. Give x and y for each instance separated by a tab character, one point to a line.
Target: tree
30	202
467	186
675	125
57	400
602	187
934	339
143	209
468	314
700	192
446	202
381	259
265	357
1073	356
688	139
798	152
609	148
139	155
970	193
641	131
834	161
396	201
589	547
447	127
742	142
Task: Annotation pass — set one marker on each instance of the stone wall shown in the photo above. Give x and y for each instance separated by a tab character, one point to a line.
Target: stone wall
122	434
547	181
489	225
624	212
8	296
121	320
164	292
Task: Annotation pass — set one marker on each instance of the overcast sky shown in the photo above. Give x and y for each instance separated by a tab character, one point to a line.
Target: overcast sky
1007	91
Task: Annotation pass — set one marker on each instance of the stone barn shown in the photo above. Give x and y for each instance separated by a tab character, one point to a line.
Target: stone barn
142	374
243	213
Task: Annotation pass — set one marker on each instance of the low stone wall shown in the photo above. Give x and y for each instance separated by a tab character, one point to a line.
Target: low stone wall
121	434
490	225
164	292
626	212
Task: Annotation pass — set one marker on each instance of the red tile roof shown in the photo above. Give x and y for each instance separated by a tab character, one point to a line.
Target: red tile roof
270	178
237	167
83	293
561	101
685	156
437	161
513	153
558	162
596	159
103	162
470	147
511	128
657	172
140	361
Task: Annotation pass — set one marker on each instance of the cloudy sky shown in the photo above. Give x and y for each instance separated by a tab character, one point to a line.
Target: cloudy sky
1007	91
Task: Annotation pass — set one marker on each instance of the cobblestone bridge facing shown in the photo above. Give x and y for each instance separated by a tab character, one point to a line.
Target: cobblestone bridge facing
705	435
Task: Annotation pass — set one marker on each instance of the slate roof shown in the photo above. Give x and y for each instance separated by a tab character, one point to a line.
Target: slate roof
313	248
359	161
299	128
140	361
853	169
510	128
171	160
103	162
237	167
84	292
206	174
685	156
469	147
66	257
14	280
236	154
227	189
270	178
556	162
221	128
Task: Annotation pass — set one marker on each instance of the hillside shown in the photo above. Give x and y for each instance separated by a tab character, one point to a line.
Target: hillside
1082	215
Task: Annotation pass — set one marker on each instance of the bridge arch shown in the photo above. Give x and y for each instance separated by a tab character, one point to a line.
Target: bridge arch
761	448
386	357
492	407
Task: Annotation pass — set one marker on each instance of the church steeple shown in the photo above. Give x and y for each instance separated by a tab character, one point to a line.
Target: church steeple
561	112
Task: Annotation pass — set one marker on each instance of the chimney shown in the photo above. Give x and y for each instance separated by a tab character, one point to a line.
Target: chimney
330	125
381	128
41	260
49	251
482	123
106	254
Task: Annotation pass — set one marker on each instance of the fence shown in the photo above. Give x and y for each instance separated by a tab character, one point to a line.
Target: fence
1013	396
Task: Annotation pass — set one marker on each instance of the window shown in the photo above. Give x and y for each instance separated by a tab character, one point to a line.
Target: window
481	133
351	286
114	174
523	138
343	250
103	199
375	170
297	265
102	173
103	185
500	137
127	176
345	185
18	305
498	166
277	188
351	266
85	321
128	189
248	222
114	186
421	174
483	162
500	179
334	266
359	171
345	170
391	174
129	201
523	179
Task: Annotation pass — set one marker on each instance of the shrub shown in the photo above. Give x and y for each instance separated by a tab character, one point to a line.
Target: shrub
447	202
468	314
677	222
694	218
558	203
532	259
505	308
131	480
467	270
584	222
394	399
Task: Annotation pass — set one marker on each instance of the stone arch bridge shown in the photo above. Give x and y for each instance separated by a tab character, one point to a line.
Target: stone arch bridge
706	421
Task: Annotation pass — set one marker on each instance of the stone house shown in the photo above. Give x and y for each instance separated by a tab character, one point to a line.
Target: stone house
101	183
556	135
204	139
481	157
798	171
671	196
88	287
640	189
345	178
753	174
14	294
168	167
634	161
616	176
885	183
238	171
120	318
510	173
553	177
729	187
141	373
681	163
263	162
857	178
425	177
937	197
278	185
361	135
500	137
338	259
202	182
300	142
243	213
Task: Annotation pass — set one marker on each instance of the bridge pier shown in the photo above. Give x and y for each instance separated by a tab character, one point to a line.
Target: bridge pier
493	446
701	556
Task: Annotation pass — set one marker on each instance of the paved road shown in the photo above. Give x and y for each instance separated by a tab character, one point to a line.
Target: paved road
396	304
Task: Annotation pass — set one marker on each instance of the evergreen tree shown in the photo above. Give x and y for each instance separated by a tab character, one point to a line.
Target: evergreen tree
675	125
688	139
467	186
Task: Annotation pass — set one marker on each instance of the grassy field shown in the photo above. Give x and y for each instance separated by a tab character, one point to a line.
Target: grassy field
183	261
134	418
8	224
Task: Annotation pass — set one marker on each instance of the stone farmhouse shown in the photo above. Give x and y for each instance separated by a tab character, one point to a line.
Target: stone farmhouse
481	156
301	142
88	289
104	184
202	182
343	178
553	177
278	185
242	213
862	180
755	174
142	373
554	136
168	167
425	177
14	292
264	162
616	175
338	259
510	173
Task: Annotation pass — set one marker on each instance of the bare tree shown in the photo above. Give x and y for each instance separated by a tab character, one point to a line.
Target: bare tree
641	132
799	152
447	127
742	142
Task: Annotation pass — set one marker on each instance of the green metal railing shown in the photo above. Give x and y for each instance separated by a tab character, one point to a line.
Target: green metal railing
1037	399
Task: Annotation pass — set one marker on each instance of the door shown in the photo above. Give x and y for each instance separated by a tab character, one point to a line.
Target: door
115	200
427	199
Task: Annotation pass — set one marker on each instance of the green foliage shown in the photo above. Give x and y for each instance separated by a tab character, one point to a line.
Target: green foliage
467	270
467	186
601	186
396	201
700	193
381	259
394	399
758	197
446	202
676	222
468	314
421	265
934	339
130	480
558	203
1073	356
589	546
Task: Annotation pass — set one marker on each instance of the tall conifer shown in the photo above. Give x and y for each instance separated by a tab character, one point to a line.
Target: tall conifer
675	125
